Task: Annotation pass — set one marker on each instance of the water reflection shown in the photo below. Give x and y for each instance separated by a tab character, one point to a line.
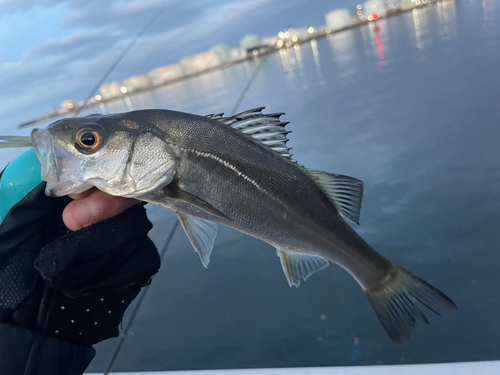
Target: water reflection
447	16
317	61
209	81
375	37
298	56
103	109
420	26
343	47
380	45
489	9
129	104
288	62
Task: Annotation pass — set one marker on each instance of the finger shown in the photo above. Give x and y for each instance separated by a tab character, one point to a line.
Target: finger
96	207
85	194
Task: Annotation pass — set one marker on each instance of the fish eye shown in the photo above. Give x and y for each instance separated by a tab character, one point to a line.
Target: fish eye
88	140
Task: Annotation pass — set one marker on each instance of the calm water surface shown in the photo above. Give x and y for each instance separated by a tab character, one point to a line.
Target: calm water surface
411	107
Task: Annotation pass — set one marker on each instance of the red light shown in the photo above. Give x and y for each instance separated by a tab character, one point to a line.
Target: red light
375	17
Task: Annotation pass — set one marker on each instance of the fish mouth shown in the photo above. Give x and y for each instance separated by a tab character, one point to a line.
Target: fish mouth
44	149
59	167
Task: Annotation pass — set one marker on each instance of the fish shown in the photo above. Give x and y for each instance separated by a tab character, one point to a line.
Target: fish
235	171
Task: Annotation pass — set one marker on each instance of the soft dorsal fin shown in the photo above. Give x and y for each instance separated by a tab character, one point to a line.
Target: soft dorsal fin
266	128
201	234
298	266
344	192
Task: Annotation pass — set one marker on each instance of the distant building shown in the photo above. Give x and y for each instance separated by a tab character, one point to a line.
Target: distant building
69	104
194	64
406	4
138	82
217	56
212	59
375	7
250	42
166	74
296	34
223	53
110	90
338	19
237	54
270	41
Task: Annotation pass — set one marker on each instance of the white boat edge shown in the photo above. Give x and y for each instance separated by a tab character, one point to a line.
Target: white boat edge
457	368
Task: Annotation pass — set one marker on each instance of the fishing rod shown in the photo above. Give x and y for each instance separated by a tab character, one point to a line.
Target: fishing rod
118	60
250	81
123	336
247	86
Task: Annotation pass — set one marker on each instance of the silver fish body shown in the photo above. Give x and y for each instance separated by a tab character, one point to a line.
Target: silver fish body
261	194
237	172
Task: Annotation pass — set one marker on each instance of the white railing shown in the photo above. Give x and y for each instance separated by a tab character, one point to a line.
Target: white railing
459	368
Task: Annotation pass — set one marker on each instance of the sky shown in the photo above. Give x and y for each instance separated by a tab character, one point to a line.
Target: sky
52	50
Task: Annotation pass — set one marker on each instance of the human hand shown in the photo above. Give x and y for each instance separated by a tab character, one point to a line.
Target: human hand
62	282
93	206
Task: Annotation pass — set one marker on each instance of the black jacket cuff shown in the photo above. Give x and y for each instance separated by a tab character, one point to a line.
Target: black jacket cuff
27	352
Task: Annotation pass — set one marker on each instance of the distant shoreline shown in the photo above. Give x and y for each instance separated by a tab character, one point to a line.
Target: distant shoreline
263	51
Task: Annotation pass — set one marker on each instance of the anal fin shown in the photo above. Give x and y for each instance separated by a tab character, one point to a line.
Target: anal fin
201	234
298	266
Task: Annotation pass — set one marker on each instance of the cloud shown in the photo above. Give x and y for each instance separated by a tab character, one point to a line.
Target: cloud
9	6
77	45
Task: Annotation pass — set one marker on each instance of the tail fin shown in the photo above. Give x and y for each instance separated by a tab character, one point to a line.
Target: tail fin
394	303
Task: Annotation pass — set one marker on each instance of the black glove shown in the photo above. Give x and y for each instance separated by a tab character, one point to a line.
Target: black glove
74	286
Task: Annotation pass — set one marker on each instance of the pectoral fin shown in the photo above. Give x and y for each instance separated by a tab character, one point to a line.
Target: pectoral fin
298	266
201	234
173	191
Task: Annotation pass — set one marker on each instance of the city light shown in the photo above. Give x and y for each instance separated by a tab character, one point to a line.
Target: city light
279	44
288	44
369	18
123	90
310	30
287	34
98	97
327	30
255	52
375	17
359	6
359	12
281	34
295	38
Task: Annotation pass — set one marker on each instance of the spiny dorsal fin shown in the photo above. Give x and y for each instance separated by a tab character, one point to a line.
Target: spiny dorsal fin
201	234
266	128
344	192
298	266
216	116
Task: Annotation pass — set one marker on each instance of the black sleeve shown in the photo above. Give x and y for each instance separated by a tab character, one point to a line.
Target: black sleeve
25	352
